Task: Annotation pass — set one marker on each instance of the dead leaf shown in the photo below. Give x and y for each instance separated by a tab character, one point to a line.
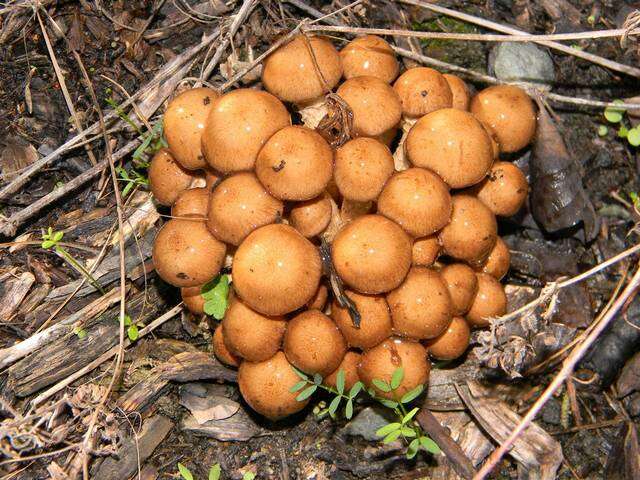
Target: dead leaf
204	406
15	157
624	458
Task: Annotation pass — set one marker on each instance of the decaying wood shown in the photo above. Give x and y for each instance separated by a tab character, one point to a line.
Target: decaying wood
12	292
623	462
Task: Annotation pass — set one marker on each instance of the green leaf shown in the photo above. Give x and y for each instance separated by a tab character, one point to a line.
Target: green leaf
127	189
127	320
300	373
317	378
407	418
306	393
381	385
397	377
388	428
80	332
298	386
248	476
340	379
215	309
603	130
348	410
429	445
412	394
49	231
216	293
47	244
408	432
623	132
132	333
57	236
413	448
614	114
355	390
214	472
388	403
333	406
184	471
634	136
392	437
634	197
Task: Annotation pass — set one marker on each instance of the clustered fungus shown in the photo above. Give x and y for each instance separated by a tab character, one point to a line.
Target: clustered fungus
356	253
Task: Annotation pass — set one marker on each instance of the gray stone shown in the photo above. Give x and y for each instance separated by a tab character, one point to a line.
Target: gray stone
366	423
520	61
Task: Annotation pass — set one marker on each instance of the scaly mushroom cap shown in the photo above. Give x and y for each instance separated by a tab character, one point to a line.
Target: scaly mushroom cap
276	270
490	301
193	299
239	124
504	190
425	251
239	205
422	90
453	144
220	349
184	122
372	254
312	217
498	262
375	320
349	366
369	56
193	202
460	91
452	343
293	74
167	178
462	285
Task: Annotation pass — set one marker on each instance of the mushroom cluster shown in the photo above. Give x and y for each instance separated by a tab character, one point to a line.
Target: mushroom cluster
341	257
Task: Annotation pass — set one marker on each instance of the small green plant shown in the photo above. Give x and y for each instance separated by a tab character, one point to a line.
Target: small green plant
307	386
80	332
133	328
133	179
616	115
216	296
214	473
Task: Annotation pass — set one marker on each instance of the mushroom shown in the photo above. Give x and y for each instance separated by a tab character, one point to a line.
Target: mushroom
220	349
313	343
193	299
452	343
276	270
296	163
375	320
453	144
319	300
417	200
490	301
498	261
369	56
459	90
239	205
349	366
495	146
462	285
184	122
167	178
312	217
422	90
372	254
185	254
239	124
212	178
381	361
193	202
510	113
504	190
421	305
425	251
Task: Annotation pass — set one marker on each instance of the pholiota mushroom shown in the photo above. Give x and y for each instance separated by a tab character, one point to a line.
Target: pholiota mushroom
452	343
193	299
369	56
312	217
498	261
375	320
167	178
504	190
459	90
221	351
422	90
490	301
193	202
462	284
425	251
319	300
349	366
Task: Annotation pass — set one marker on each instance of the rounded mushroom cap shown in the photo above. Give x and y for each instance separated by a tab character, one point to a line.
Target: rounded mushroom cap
319	300
462	285
193	299
349	366
417	200
375	320
312	217
490	301
504	190
375	105
372	254
184	122
266	385
293	74
509	111
459	90
472	232
421	306
167	178
191	202
185	254
498	262
239	124
495	146
313	343
276	270
296	163
425	251
453	144
362	167
220	349
422	90
369	56
239	205
251	335
452	343
382	360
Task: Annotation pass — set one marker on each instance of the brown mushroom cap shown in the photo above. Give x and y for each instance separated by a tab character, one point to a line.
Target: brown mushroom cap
212	178
462	285
509	111
193	299
495	146
251	335
498	262
375	320
363	166
266	385
372	254
319	300
452	343
417	200
293	74
276	270
184	122
490	301
422	90
453	144
472	232
239	205
349	366
191	202
375	105
459	90
220	349
312	217
313	343
382	360
504	190
369	56
185	254
425	251
296	163
239	124
167	178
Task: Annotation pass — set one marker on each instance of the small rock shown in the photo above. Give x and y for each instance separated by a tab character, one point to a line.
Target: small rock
551	412
520	61
367	422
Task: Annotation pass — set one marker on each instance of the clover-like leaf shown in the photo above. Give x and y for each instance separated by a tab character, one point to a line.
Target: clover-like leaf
248	476
388	428
413	448
340	379
333	406
633	137
214	472
300	373
408	432
184	472
57	236
409	416
388	403
348	410
623	132
603	130
412	394
132	332
397	377
127	320
429	445
306	393
392	437
355	390
381	385
298	386
614	114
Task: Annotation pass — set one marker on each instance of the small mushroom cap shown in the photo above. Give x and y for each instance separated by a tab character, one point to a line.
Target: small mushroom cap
239	124
167	178
185	254
421	306
293	74
369	56
319	300
266	385
452	343
193	299
363	165
220	349
490	301
375	320
382	360
472	232
349	366
498	262
295	164
504	190
375	105
191	202
313	343
453	144
459	90
372	254
239	205
462	285
425	251
417	200
422	90
184	122
251	335
276	270
509	111
312	217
